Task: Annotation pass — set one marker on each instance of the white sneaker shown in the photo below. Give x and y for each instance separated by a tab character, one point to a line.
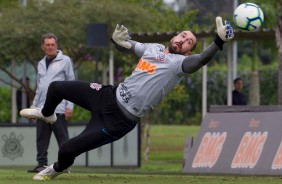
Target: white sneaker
47	174
35	113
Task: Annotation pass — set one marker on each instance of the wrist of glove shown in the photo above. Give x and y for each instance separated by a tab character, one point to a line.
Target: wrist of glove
120	37
219	42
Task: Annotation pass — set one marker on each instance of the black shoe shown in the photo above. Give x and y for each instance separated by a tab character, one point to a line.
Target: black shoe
37	169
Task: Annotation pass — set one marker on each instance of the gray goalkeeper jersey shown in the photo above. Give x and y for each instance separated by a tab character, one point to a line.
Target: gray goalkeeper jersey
156	74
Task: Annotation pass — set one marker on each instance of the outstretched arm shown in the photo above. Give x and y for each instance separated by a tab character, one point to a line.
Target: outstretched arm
194	62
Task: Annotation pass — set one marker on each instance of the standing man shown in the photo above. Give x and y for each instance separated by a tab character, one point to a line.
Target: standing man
53	67
238	97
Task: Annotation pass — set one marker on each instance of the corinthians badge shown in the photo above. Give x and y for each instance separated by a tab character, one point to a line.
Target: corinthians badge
12	147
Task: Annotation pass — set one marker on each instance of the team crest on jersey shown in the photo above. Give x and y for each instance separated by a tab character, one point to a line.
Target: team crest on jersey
96	86
160	48
160	57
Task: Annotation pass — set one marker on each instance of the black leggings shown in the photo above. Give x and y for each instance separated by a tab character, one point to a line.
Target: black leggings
107	123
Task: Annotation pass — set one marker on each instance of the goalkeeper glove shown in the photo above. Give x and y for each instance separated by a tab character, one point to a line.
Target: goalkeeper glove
120	36
225	32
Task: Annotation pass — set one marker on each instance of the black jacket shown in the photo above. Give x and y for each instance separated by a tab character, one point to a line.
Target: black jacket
238	98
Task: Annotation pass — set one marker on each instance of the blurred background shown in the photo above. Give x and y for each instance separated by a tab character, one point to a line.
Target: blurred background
23	22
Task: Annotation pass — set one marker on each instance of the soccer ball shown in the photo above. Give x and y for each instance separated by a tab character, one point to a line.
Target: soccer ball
248	17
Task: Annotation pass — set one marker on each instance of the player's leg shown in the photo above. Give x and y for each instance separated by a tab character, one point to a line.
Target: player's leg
74	91
77	92
90	138
60	129
106	125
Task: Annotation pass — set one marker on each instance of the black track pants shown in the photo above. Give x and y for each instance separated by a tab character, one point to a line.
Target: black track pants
43	135
107	123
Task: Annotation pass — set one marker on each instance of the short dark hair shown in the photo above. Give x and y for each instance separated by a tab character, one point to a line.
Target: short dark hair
49	35
237	79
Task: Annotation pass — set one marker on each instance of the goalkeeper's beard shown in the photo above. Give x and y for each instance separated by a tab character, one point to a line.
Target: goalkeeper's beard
171	49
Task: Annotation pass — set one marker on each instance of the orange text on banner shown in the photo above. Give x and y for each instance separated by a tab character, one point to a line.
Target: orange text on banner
209	149
249	150
277	161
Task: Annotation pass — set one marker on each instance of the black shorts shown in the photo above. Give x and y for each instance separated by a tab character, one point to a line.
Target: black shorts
116	123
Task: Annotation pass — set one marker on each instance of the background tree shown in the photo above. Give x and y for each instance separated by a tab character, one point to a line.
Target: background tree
273	18
22	27
278	35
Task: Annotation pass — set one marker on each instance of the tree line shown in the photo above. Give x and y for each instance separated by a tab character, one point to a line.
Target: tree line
21	28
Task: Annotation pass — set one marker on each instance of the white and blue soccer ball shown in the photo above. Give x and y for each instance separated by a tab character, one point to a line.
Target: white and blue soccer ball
248	17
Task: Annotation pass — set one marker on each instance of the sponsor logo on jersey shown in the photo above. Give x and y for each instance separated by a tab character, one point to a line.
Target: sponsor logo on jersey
144	65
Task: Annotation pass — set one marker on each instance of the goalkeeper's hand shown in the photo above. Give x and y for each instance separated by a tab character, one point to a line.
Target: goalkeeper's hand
225	32
120	36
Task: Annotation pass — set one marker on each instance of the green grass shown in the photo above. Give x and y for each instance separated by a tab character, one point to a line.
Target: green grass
83	175
166	147
167	142
164	166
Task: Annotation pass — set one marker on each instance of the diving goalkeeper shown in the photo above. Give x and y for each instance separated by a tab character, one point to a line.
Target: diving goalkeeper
117	109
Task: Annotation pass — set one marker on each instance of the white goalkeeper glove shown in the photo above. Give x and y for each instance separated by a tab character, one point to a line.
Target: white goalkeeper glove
120	36
225	32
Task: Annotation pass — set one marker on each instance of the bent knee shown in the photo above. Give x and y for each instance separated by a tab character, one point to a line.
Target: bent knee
55	85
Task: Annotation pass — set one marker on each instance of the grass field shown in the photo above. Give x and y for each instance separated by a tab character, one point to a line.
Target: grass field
164	166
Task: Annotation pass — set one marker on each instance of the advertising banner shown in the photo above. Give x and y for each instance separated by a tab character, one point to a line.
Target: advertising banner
18	147
237	143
